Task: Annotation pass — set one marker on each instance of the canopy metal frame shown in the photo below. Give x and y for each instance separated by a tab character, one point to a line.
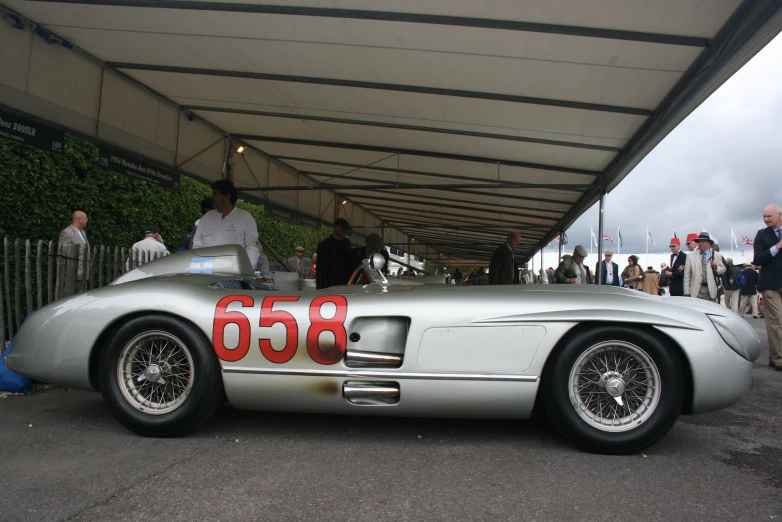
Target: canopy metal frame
534	190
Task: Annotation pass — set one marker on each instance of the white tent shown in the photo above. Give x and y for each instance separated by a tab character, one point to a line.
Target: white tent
441	124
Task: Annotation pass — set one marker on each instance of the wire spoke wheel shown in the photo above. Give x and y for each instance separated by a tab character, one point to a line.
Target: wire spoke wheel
155	372
614	386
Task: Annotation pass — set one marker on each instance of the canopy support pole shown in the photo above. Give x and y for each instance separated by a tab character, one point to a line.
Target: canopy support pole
561	240
599	274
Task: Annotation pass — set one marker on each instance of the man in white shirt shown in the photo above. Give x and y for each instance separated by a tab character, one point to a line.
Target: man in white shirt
148	248
226	224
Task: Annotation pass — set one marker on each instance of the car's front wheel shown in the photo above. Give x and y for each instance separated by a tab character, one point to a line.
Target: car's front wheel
160	377
614	389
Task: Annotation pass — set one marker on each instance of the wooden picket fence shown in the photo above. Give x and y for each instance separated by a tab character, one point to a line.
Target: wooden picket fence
35	274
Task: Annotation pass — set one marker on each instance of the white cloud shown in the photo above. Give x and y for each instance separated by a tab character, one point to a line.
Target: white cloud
719	168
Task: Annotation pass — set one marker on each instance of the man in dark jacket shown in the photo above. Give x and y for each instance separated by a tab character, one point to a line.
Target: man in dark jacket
503	269
572	270
609	269
749	292
336	261
676	272
731	285
768	243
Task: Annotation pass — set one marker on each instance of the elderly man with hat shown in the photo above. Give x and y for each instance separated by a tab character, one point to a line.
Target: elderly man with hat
703	269
572	269
297	262
678	260
609	270
691	242
336	260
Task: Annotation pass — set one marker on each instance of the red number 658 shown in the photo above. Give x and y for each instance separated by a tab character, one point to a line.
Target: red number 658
269	317
335	325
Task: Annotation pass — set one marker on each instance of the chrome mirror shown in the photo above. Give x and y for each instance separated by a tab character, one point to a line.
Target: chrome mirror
377	262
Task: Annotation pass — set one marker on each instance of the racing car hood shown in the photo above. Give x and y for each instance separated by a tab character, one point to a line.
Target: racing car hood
229	260
731	326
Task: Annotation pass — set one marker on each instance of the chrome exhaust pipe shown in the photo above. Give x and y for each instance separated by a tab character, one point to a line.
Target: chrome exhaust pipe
355	359
371	393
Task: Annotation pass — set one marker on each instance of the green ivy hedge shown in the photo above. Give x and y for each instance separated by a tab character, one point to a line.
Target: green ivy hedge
41	189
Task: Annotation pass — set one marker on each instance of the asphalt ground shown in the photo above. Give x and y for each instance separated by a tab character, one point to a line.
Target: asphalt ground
63	456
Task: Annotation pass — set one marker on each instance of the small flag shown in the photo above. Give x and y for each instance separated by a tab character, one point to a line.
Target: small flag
650	237
594	239
564	238
606	237
734	238
747	241
202	265
619	233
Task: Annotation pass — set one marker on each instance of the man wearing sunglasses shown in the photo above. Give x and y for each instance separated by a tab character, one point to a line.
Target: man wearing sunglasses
676	272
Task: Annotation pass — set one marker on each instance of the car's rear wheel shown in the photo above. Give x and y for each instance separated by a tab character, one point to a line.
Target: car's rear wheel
160	377
613	389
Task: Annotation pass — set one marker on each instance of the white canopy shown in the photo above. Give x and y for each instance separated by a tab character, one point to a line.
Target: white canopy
442	124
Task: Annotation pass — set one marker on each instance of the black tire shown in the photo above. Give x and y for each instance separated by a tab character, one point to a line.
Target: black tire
206	393
569	415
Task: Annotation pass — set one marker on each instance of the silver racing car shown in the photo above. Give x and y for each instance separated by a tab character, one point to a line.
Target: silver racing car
168	342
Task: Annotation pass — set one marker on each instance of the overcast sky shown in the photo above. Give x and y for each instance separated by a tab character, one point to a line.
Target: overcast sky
719	168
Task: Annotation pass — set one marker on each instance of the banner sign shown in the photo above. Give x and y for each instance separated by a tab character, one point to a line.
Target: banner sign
28	132
124	164
290	216
308	222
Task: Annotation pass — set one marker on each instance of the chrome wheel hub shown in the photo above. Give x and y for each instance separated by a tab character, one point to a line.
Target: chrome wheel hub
613	383
155	372
614	386
152	373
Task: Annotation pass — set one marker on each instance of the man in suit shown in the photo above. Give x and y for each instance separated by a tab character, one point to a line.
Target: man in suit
336	260
676	272
74	234
701	270
298	261
503	269
768	243
609	269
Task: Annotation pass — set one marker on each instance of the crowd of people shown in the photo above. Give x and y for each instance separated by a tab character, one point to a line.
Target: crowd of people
701	273
222	223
